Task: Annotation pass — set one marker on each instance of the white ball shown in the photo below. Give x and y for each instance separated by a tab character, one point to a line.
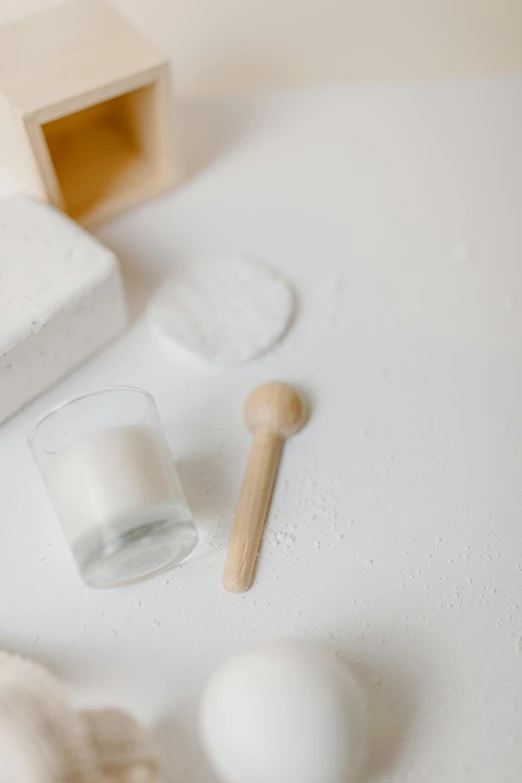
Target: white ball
284	714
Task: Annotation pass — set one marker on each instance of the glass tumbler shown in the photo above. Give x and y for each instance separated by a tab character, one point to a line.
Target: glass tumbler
110	474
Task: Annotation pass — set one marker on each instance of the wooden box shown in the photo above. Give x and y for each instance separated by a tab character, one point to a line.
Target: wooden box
85	110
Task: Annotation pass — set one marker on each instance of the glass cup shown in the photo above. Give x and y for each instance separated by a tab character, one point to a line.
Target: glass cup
110	474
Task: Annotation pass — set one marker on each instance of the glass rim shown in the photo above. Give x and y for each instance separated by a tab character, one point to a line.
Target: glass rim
78	397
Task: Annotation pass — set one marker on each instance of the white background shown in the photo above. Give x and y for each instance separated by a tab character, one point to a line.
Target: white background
395	534
230	45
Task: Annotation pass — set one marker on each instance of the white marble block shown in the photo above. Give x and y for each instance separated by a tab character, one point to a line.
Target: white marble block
61	298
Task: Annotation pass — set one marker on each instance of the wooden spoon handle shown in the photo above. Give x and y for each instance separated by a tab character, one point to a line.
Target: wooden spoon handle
252	511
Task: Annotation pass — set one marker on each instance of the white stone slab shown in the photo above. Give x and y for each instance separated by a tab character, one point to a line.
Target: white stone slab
61	298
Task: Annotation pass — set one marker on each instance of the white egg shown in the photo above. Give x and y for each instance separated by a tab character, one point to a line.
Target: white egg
284	714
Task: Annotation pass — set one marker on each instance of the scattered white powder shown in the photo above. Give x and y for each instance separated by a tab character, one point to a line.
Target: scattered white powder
335	297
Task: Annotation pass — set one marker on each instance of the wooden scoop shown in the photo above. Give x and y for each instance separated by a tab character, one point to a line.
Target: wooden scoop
273	413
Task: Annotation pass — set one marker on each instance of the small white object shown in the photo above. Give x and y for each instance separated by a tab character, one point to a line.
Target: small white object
114	485
113	477
284	714
61	298
225	311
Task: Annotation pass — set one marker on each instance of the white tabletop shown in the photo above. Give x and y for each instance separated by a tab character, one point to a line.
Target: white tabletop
395	534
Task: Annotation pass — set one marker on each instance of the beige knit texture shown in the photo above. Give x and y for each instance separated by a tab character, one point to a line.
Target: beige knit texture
44	740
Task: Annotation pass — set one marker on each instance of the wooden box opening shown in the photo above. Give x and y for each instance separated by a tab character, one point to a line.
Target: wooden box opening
107	156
